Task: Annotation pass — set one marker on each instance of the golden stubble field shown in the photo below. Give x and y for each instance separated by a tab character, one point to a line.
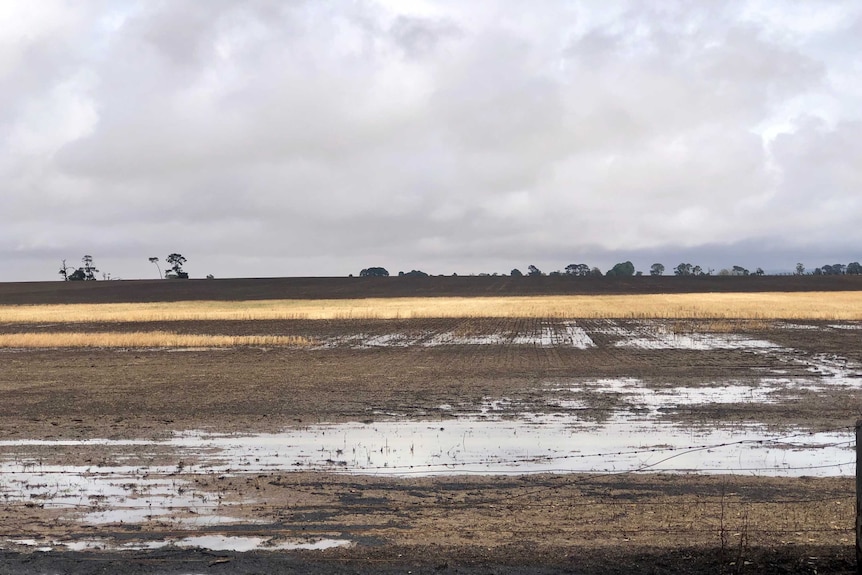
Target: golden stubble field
768	305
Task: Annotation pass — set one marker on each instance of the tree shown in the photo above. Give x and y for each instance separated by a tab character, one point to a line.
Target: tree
833	270
624	269
155	260
580	270
375	272
414	273
683	270
64	271
78	275
854	268
533	271
739	271
656	270
759	272
89	269
177	261
596	272
800	269
516	273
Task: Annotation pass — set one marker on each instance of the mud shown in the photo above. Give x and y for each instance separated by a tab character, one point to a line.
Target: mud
436	445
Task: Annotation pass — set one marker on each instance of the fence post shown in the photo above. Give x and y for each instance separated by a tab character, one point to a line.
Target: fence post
859	497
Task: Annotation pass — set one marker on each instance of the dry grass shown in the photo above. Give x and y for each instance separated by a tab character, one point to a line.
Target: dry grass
716	306
720	326
144	339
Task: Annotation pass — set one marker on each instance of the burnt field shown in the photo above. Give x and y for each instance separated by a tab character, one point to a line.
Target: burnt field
449	286
431	445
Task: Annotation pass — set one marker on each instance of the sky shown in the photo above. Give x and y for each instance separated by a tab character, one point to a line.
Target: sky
270	138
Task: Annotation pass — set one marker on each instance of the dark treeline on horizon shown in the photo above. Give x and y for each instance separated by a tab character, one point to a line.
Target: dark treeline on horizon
627	269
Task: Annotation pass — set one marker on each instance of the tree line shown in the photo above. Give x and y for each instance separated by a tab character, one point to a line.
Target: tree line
627	269
88	271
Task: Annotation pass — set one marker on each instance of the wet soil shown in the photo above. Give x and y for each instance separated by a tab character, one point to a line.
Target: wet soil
116	393
511	524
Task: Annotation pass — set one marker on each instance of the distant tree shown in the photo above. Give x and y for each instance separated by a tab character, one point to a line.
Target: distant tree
177	261
376	272
596	272
833	270
415	273
724	272
854	268
78	275
516	273
64	271
624	269
758	272
739	271
90	270
800	269
210	277
817	272
656	270
683	270
155	260
533	271
580	270
556	273
698	271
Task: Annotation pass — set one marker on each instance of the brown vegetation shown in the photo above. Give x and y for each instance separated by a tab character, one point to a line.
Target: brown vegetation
767	305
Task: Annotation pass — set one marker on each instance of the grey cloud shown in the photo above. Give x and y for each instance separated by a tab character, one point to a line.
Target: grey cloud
472	133
421	37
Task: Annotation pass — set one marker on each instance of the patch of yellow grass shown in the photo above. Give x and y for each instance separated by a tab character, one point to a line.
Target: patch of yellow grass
143	339
719	326
768	305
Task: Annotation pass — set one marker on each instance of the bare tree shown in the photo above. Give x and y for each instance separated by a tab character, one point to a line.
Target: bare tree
64	271
155	260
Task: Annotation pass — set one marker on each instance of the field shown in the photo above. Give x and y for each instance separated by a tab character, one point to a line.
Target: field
255	428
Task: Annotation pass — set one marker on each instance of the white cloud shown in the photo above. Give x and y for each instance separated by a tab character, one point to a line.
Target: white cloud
455	133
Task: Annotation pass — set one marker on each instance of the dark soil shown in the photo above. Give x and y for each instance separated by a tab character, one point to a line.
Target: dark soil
517	560
340	288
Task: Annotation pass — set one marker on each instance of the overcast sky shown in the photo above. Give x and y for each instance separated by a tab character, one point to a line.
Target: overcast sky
285	138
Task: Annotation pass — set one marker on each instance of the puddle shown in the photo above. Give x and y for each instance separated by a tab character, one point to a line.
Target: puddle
654	400
496	440
530	444
229	543
549	334
208	542
697	342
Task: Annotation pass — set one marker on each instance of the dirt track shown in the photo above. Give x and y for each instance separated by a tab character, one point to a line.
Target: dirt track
359	372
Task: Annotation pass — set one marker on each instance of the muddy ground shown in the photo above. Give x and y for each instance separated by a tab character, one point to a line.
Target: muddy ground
375	371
